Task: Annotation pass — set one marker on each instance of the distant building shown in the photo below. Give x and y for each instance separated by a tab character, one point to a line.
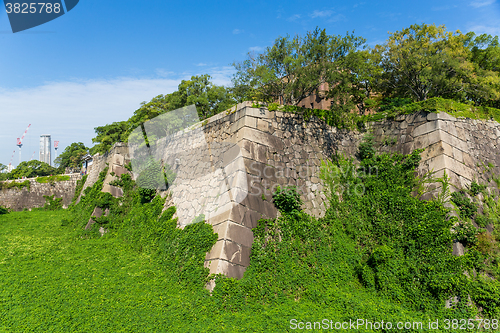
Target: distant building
45	147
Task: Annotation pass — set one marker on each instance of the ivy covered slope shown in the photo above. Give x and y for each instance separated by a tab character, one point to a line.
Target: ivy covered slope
379	254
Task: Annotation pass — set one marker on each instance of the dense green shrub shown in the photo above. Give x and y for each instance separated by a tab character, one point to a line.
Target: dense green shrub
3	210
287	199
475	188
466	207
366	147
52	203
13	184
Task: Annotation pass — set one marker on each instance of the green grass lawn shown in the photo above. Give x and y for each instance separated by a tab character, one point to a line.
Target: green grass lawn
52	281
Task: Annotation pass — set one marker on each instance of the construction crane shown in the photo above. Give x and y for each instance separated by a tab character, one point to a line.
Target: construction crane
32	155
20	142
10	163
56	145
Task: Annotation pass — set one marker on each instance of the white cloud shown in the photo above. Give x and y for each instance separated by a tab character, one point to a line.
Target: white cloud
294	17
321	13
481	3
483	29
69	111
237	31
201	64
221	76
256	48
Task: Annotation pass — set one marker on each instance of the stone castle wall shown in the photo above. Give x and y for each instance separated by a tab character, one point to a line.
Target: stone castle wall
18	199
228	166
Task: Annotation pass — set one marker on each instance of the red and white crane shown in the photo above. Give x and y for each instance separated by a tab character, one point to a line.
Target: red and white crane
56	145
20	142
10	163
32	155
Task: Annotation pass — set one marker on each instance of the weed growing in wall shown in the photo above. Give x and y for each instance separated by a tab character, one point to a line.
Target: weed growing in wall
13	184
52	179
52	203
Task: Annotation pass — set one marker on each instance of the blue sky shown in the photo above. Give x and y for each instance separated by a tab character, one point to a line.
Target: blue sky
97	63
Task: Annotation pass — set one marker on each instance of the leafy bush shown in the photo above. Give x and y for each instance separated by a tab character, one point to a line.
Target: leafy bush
105	200
474	188
52	203
3	210
466	207
78	189
465	232
393	103
366	149
287	199
13	184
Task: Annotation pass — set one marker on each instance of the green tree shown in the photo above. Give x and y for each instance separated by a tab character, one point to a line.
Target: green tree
34	168
293	69
108	135
71	156
209	99
425	61
356	78
484	87
2	167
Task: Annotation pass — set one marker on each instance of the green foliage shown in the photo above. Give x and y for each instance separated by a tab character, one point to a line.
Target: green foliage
273	106
389	103
52	203
105	200
425	61
474	188
52	179
3	210
465	232
287	199
32	169
487	295
72	155
366	147
454	108
466	207
292	69
13	184
445	195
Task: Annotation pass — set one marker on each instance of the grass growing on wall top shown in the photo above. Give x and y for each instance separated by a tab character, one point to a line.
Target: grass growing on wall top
13	184
454	108
353	120
52	179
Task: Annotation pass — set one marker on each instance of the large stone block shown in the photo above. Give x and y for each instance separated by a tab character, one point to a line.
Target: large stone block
219	266
440	115
260	137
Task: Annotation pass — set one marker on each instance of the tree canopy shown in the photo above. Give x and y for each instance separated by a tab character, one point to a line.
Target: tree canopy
71	156
293	68
33	168
209	99
414	64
